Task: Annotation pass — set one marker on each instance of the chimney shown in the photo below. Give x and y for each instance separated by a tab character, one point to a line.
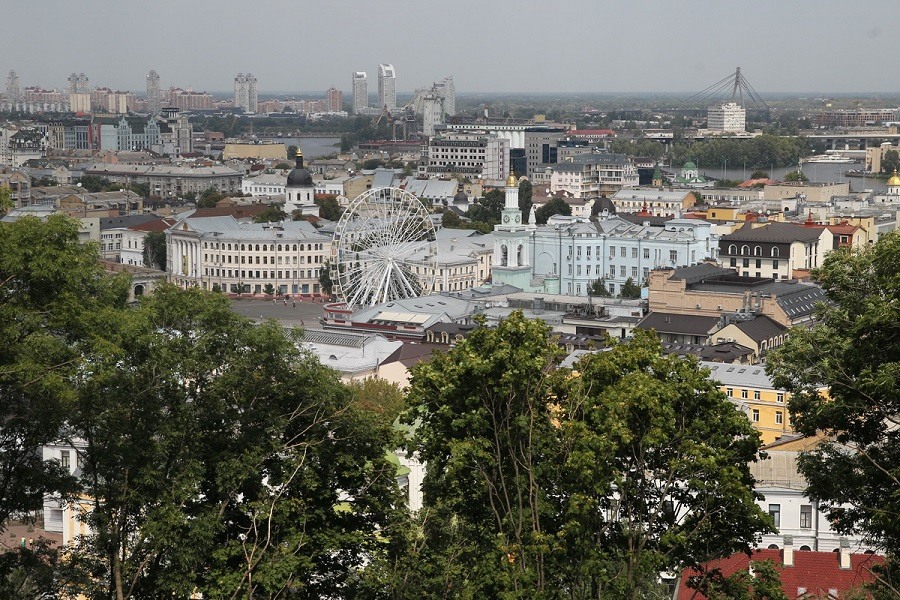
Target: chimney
845	554
789	551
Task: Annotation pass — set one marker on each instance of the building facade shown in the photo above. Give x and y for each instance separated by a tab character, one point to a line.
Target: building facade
220	252
474	154
728	117
387	87
334	100
154	96
775	249
360	92
246	96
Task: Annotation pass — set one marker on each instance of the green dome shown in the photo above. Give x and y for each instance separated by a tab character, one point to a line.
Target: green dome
689	165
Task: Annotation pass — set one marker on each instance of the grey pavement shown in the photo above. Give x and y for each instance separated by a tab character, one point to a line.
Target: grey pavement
304	314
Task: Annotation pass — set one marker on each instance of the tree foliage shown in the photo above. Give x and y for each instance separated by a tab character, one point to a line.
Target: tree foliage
272	213
329	207
53	297
890	162
796	176
599	288
853	354
556	206
155	250
526	191
544	485
763	151
488	208
209	198
630	289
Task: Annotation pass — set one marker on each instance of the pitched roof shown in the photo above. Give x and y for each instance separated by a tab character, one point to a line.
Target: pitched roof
761	328
664	322
817	574
774	233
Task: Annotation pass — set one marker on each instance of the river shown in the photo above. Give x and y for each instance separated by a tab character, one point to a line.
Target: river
817	172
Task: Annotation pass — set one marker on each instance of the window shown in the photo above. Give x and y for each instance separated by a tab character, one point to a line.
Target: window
64	459
756	394
732	249
755	415
622	251
622	271
779	417
729	392
745	250
673	256
612	270
775	251
757	251
758	264
744	394
732	262
806	516
780	397
775	513
646	252
634	272
746	262
634	252
612	251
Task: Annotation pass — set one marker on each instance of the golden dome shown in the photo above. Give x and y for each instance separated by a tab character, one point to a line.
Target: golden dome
511	181
894	180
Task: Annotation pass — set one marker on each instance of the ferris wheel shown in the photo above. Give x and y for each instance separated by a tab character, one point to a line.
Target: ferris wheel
383	249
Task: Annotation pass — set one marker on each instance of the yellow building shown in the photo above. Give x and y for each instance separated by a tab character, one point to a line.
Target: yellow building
752	391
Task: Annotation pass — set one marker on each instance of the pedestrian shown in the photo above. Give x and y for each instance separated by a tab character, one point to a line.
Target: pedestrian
274	301
293	304
302	324
285	301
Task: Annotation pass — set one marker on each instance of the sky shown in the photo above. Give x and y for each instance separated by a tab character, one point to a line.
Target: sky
488	46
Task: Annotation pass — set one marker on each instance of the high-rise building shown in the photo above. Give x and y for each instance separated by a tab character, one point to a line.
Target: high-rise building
245	92
387	87
77	84
432	112
728	117
12	87
360	92
154	97
334	100
445	88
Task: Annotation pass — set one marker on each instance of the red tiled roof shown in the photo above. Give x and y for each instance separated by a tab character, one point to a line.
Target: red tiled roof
816	572
157	225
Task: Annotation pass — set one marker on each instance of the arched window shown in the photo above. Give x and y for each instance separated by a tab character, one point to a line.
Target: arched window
805	548
775	547
745	250
265	249
775	251
520	255
295	247
504	255
732	249
757	251
242	247
257	247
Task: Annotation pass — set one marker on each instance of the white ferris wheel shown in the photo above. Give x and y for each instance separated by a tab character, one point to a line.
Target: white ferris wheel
383	249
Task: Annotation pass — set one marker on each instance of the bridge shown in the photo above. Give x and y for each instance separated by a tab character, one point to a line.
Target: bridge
860	139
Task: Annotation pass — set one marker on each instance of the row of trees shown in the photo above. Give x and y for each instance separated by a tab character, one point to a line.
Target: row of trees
763	151
214	456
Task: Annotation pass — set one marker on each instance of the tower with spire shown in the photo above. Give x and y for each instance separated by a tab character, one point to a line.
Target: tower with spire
512	247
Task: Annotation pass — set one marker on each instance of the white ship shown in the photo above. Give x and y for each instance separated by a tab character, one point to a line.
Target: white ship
831	159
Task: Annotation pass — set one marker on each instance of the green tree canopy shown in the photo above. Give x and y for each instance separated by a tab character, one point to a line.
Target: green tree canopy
890	162
272	213
630	289
526	191
541	484
155	250
488	208
796	176
853	354
329	207
556	206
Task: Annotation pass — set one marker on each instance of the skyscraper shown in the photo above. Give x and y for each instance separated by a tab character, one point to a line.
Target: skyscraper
387	87
334	99
445	88
360	92
245	92
77	84
154	98
12	87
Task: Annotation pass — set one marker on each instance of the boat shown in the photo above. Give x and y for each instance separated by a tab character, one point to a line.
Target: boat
833	159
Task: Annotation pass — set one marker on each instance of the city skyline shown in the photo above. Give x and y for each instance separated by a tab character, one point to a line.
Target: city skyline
489	48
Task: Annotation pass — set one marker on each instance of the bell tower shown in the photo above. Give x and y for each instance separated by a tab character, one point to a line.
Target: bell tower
512	242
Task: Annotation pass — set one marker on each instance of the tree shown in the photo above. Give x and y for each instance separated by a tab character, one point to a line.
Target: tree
94	183
6	203
221	458
292	152
760	582
329	207
759	174
630	289
269	289
843	374
890	162
796	176
488	208
525	194
282	166
155	250
449	219
379	397
545	484
599	289
556	206
272	213
209	198
54	299
325	279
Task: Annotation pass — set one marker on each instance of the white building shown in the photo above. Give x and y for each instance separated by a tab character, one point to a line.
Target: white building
360	92
475	154
588	174
774	249
568	255
727	117
447	90
387	87
432	113
245	92
246	257
154	97
264	184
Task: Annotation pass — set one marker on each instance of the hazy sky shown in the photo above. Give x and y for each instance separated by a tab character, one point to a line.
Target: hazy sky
487	45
